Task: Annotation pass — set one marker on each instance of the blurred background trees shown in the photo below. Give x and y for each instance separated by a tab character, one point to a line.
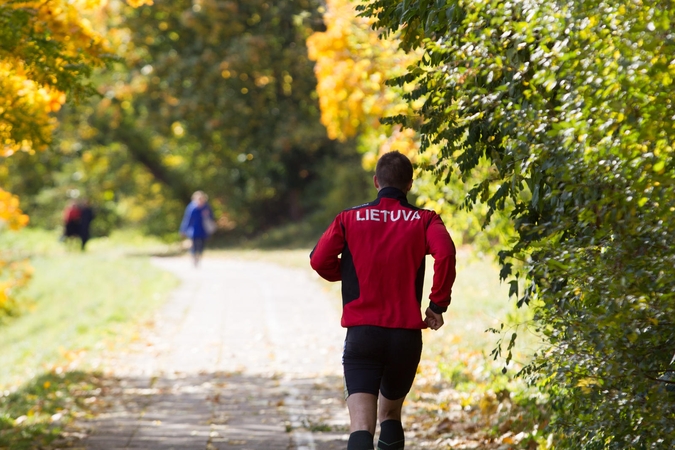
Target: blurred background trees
218	96
47	50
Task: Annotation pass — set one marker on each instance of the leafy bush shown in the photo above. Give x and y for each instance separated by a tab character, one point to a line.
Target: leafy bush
571	105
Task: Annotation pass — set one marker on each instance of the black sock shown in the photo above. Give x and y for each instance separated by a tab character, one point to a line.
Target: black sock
360	440
391	436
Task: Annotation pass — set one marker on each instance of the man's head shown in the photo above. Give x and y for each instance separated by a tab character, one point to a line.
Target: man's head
393	170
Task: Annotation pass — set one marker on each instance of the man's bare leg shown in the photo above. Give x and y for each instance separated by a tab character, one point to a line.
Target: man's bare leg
391	430
362	416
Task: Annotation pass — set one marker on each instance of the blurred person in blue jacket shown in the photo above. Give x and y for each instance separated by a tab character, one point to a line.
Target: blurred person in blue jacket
198	224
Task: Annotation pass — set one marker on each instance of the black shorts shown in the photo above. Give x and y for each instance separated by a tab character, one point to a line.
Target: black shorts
377	359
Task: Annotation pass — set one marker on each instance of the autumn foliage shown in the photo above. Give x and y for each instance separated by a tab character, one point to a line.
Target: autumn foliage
13	274
48	50
11	215
352	67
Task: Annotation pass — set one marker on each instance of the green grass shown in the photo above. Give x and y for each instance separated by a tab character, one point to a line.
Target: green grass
39	242
78	303
479	301
32	416
76	306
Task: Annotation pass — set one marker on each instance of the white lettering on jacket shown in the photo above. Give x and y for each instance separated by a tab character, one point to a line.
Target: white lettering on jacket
381	215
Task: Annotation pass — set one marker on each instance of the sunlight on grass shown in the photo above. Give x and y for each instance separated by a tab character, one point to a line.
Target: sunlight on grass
479	301
35	415
77	306
35	241
77	302
295	258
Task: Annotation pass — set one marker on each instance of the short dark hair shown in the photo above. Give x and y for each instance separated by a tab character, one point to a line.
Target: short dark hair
394	169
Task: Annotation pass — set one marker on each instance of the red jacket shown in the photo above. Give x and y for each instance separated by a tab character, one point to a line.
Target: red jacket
383	245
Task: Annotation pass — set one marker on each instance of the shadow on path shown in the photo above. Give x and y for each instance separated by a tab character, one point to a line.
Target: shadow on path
214	411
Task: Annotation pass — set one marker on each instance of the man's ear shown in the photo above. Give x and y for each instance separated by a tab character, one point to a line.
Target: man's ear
409	186
376	183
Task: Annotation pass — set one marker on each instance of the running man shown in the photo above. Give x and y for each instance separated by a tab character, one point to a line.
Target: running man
378	250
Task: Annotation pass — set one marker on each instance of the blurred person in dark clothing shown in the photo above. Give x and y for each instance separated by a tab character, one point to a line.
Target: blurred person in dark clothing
86	217
71	221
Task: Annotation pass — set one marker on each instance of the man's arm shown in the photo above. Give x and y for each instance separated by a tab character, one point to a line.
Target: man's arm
324	259
442	249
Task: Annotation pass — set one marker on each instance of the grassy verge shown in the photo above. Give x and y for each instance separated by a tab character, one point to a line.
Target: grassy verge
462	398
77	306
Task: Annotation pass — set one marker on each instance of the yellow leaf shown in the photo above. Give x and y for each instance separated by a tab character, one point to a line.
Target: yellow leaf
586	383
352	64
10	213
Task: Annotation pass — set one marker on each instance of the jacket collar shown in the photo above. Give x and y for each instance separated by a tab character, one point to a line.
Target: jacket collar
392	192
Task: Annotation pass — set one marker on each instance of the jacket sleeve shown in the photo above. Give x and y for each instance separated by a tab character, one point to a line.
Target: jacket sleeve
185	223
442	249
324	259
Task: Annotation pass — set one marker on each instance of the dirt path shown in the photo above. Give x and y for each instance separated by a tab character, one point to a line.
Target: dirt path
245	355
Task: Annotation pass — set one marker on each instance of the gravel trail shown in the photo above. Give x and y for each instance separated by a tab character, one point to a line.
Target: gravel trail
245	355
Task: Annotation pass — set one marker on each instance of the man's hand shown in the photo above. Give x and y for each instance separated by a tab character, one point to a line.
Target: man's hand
433	320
